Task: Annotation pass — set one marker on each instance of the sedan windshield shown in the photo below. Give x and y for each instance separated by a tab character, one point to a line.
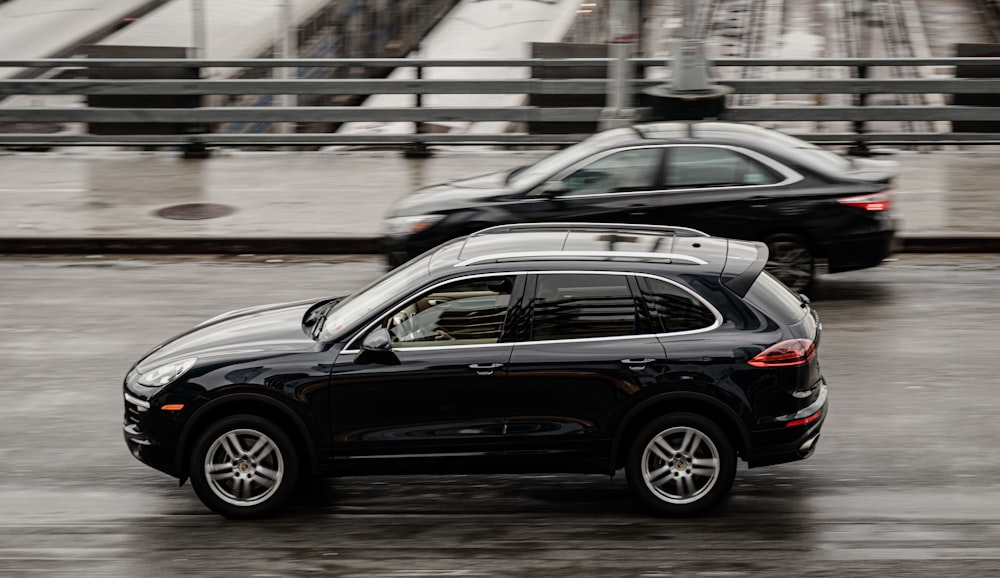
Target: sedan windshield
353	310
533	175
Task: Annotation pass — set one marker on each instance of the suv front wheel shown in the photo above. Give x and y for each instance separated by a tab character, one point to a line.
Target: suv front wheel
244	466
681	464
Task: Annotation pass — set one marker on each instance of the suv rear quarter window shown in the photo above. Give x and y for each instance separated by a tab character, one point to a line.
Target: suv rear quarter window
673	309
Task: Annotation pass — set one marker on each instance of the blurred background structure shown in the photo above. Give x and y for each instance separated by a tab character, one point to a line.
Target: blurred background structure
878	69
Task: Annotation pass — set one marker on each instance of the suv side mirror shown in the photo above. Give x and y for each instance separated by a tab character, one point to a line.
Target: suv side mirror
378	341
552	189
376	347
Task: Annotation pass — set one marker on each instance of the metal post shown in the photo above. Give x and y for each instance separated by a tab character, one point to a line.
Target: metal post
286	48
199	49
619	111
199	37
860	147
418	149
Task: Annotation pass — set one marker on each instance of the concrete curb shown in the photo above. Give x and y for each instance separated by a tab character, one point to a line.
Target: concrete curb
914	243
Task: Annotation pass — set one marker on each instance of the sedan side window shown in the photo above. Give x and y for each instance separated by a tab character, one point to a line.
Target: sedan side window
706	166
467	312
575	306
673	309
623	171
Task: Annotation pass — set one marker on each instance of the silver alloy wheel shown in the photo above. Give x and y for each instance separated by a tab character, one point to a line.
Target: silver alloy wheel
791	262
244	467
680	465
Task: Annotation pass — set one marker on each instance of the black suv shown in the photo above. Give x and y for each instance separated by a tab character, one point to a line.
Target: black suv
523	348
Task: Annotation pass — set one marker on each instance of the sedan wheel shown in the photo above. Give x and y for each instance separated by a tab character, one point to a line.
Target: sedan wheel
681	465
791	261
244	467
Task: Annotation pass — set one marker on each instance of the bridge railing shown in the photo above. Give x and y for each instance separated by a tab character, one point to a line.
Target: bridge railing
30	115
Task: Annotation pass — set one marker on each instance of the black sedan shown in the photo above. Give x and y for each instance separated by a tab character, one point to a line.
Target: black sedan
816	210
584	348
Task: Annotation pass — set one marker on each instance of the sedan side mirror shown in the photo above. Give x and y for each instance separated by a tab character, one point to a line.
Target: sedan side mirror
552	189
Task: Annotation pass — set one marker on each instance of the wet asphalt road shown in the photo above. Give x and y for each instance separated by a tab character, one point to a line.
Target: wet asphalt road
904	482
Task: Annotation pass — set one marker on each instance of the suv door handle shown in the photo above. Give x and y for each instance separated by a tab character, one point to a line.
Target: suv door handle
485	368
638	364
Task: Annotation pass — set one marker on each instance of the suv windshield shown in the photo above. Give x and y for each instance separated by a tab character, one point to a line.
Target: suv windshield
352	310
535	174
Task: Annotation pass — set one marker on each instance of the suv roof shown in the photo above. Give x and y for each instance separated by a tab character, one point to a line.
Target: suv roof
681	247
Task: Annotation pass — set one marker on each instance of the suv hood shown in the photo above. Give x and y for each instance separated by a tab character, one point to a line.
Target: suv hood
451	195
258	330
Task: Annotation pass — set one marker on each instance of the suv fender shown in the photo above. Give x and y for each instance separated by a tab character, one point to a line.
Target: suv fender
245	403
680	401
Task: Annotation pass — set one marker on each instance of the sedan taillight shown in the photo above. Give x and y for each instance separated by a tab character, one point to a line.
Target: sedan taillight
881	201
786	354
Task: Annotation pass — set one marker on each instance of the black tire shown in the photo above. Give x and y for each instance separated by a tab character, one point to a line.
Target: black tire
791	260
681	464
255	467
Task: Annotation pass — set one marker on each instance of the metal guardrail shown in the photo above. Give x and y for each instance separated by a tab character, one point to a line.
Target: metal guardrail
207	115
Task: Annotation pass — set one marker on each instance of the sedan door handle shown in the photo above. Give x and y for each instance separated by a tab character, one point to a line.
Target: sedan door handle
485	368
638	364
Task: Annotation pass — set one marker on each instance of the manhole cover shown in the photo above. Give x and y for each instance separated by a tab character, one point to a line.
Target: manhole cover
191	211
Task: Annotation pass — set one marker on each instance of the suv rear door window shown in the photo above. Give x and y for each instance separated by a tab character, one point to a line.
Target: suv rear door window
578	305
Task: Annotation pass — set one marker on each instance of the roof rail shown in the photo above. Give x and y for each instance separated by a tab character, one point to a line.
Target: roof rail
678	231
520	255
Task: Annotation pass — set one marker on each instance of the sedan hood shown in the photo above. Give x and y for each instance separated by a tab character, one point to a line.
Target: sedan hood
456	194
268	328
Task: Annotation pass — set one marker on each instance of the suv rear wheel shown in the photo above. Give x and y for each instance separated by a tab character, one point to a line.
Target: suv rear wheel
244	466
681	464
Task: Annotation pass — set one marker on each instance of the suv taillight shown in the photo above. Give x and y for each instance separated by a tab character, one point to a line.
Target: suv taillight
786	354
881	201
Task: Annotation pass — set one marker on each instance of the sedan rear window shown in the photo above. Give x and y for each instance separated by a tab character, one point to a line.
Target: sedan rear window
709	166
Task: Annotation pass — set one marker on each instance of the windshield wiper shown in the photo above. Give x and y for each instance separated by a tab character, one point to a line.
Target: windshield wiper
316	317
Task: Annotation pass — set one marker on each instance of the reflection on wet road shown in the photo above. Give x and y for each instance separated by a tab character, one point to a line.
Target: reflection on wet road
904	482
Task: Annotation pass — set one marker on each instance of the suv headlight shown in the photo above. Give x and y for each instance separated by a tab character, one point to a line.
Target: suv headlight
408	225
164	374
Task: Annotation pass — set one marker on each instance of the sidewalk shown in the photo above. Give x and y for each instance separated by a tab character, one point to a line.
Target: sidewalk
283	202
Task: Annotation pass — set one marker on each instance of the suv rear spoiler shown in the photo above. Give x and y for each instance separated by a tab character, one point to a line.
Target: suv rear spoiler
744	262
